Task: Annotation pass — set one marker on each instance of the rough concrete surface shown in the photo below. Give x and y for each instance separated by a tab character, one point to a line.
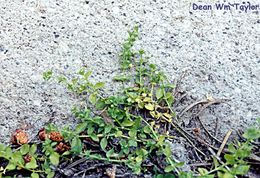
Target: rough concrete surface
219	50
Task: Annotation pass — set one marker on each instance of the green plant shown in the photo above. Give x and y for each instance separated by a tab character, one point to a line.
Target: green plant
23	158
127	54
235	163
51	156
47	75
135	117
133	127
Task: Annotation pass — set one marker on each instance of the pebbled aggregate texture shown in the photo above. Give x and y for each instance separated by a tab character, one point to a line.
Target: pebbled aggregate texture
218	50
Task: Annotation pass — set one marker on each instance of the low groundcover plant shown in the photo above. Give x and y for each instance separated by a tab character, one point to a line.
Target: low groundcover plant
134	128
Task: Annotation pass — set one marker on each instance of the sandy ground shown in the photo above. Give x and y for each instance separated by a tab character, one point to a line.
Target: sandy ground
219	50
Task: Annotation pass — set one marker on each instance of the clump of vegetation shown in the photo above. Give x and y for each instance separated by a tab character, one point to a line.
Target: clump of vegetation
133	128
130	126
235	163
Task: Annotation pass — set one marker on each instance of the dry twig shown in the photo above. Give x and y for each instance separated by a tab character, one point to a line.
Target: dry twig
224	142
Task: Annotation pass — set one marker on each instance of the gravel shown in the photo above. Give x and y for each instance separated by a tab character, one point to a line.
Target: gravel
218	50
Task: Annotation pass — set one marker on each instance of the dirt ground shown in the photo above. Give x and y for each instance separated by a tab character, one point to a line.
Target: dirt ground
218	51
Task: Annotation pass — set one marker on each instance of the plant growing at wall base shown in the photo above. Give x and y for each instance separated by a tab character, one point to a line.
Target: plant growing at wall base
134	127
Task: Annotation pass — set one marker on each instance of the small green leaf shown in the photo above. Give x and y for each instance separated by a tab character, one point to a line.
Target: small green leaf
159	93
132	143
167	115
24	149
87	74
139	159
99	85
55	158
90	129
179	164
169	169
8	153
230	159
34	175
240	169
95	156
94	137
141	105
181	175
152	66
149	107
92	98
231	148
119	133
100	104
76	145
252	133
225	175
62	79
126	150
66	153
167	151
103	143
144	152
245	152
50	174
110	153
127	123
81	127
32	164
17	158
10	166
2	147
160	141
147	129
147	99
141	51
169	98
74	81
203	171
108	128
47	75
142	135
121	78
132	133
122	142
216	163
170	85
33	149
81	71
